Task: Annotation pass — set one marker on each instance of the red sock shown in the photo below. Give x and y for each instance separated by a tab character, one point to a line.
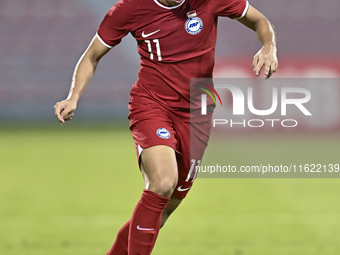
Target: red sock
145	223
120	246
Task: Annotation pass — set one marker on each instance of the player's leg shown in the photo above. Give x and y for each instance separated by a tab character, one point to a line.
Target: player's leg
170	208
152	130
120	246
166	175
159	168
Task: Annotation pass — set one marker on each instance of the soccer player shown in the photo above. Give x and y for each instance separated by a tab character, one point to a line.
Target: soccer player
176	41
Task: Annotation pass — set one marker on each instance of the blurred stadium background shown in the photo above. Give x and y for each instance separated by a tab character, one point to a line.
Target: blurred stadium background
67	190
43	40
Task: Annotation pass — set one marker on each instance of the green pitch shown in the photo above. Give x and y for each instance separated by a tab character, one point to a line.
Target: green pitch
67	190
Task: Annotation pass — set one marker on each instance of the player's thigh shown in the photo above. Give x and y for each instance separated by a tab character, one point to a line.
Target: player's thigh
155	140
159	168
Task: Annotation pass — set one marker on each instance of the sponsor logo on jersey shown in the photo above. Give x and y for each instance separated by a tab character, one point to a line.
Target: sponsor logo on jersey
163	133
149	34
194	25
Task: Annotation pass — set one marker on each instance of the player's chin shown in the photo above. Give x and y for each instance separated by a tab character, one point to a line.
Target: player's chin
174	2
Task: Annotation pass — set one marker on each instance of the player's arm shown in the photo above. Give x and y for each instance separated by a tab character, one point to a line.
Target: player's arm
266	57
82	75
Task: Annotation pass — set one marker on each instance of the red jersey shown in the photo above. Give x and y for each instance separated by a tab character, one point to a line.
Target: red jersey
175	44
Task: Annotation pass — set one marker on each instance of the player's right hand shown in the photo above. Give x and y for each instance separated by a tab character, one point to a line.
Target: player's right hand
64	110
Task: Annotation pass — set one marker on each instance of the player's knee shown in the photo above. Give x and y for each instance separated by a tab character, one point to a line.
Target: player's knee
164	187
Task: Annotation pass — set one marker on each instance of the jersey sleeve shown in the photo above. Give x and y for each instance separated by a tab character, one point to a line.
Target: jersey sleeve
116	23
234	9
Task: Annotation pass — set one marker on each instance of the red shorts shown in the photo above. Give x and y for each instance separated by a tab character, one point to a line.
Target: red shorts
151	125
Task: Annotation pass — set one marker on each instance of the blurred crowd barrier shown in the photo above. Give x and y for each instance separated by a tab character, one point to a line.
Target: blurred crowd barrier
41	42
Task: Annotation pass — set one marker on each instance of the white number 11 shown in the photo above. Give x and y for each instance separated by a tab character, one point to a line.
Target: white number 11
193	170
158	48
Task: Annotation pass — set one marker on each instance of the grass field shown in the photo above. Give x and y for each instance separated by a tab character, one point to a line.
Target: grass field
67	190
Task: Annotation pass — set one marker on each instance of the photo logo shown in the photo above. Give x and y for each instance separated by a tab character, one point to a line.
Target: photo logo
239	100
253	104
206	88
280	99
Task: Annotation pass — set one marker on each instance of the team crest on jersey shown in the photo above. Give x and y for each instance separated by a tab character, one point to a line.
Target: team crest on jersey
194	25
163	133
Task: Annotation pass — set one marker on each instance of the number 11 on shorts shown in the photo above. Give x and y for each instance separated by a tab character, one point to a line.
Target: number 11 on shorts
193	170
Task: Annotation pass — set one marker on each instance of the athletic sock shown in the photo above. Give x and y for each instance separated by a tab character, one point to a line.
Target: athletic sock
145	223
120	246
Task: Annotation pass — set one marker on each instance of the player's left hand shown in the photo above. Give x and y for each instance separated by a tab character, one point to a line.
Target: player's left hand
265	57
